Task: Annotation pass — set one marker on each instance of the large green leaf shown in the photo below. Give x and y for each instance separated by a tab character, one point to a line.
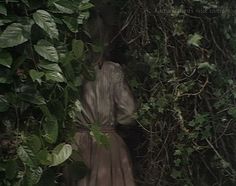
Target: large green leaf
36	75
26	155
44	157
3	9
46	50
71	23
50	66
44	20
4	105
15	34
35	174
63	8
61	153
5	59
34	143
77	48
54	76
50	126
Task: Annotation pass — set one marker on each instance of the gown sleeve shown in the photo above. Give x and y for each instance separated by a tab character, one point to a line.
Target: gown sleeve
124	100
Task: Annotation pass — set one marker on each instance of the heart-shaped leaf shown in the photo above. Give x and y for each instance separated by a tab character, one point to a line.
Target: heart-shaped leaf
45	21
14	35
26	155
35	174
44	157
50	66
36	75
54	76
46	50
71	23
61	153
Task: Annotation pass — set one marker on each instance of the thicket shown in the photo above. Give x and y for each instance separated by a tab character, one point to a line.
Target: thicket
42	62
182	69
181	63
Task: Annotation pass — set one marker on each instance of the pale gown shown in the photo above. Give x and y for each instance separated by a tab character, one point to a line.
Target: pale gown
106	101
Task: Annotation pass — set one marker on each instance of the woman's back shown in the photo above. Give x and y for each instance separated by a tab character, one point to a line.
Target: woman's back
107	100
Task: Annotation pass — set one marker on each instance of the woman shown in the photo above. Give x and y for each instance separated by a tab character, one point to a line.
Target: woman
106	102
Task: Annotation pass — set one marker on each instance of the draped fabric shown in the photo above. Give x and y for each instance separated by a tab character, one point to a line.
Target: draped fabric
107	101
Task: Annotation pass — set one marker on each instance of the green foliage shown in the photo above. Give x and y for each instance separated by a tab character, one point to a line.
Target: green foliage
60	154
26	155
15	34
45	21
42	62
194	39
46	50
182	71
99	136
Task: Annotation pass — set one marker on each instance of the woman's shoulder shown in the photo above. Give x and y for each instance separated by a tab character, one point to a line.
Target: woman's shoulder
111	67
111	64
114	69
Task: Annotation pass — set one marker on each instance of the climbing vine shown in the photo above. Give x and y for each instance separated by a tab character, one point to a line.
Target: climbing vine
42	62
182	71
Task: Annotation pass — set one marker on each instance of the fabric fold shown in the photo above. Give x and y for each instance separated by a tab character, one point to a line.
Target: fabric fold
107	101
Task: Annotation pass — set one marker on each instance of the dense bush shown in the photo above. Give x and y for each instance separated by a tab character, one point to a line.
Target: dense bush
182	71
42	61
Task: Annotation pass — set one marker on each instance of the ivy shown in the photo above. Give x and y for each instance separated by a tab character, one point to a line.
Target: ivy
182	71
39	81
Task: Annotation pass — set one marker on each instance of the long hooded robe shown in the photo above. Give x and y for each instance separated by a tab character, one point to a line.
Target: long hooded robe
106	102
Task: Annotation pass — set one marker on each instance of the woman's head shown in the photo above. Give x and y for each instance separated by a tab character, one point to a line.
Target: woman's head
100	34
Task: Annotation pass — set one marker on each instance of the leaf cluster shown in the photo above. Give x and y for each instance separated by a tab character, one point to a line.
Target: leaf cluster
182	71
42	63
